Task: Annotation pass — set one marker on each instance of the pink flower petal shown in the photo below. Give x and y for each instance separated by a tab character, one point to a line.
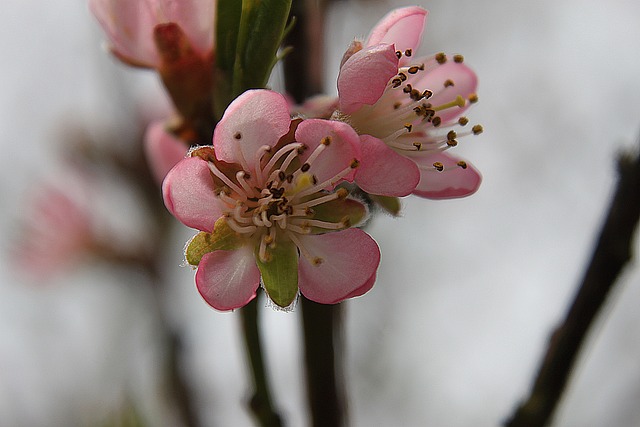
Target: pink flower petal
336	156
162	150
350	260
451	183
465	83
195	17
384	172
255	118
364	77
402	27
228	279
129	25
189	194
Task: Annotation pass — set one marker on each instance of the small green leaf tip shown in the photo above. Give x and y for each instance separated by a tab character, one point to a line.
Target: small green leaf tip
389	204
280	273
222	238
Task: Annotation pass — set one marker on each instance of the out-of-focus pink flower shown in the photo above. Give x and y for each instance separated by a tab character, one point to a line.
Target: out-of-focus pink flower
263	197
162	150
57	232
130	26
408	111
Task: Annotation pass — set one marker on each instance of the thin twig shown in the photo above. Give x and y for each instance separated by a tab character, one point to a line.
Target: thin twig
323	363
612	252
260	402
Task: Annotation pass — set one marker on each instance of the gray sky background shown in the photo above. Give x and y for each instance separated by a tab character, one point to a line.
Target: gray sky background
468	290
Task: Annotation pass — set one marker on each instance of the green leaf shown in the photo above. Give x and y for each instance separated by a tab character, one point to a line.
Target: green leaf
262	28
280	273
222	238
389	204
350	211
228	16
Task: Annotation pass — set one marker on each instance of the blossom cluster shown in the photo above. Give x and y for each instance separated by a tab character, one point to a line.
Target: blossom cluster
279	194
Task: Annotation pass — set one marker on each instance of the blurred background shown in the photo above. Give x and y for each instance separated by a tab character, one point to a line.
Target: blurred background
468	290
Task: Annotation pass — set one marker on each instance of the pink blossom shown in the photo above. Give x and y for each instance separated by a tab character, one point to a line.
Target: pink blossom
264	199
57	231
408	111
130	26
162	149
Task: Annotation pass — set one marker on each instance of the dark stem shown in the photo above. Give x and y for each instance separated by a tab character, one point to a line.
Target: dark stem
322	324
612	252
323	363
260	402
303	66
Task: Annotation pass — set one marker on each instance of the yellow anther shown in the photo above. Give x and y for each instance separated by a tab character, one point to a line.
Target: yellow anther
451	135
417	145
438	166
477	129
459	102
317	261
458	58
463	121
408	52
326	140
462	164
441	57
448	83
473	98
354	163
342	193
408	127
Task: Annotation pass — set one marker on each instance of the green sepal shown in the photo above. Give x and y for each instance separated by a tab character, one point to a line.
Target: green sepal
262	28
222	238
389	204
348	211
280	272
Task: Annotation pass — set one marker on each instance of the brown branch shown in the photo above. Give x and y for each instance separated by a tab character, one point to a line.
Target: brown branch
323	363
612	252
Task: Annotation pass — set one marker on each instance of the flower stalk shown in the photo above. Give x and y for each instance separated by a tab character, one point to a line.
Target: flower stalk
260	402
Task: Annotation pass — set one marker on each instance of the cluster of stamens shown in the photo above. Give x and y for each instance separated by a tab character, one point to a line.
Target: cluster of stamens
404	118
276	201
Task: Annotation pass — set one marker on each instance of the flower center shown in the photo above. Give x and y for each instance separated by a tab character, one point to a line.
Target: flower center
406	120
275	200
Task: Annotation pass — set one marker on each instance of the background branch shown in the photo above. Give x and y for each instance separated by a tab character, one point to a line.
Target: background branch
612	252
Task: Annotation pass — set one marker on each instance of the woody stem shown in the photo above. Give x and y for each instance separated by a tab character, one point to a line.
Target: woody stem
611	254
260	402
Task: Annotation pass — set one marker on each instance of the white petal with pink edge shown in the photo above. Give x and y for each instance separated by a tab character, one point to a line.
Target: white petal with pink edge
384	172
228	279
332	147
364	77
256	118
452	182
402	27
448	81
189	194
350	259
162	150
